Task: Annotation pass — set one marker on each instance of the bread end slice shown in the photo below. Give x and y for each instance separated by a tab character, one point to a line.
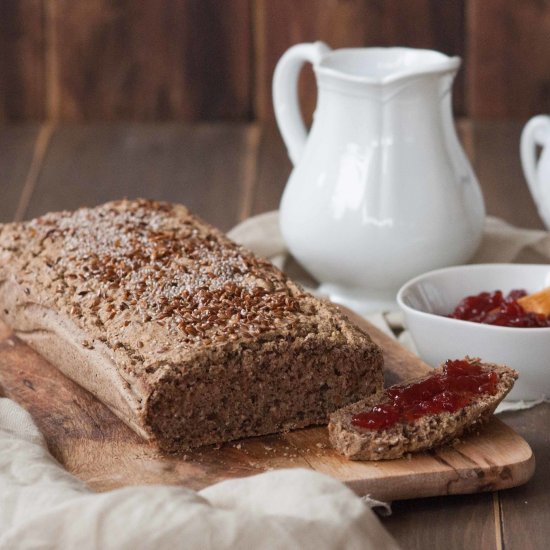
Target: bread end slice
425	433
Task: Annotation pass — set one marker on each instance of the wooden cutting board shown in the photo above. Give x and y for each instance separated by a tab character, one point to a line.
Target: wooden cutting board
99	449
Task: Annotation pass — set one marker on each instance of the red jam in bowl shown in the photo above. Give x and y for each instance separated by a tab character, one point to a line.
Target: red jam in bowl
455	387
493	308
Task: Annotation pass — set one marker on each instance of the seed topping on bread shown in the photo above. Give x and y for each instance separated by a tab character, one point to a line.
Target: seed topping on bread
201	286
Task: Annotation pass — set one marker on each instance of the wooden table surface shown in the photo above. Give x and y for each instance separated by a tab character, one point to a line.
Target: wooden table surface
228	172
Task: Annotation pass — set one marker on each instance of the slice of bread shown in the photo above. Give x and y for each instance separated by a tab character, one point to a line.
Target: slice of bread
421	434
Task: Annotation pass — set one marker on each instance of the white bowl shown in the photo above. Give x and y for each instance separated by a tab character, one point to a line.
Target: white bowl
427	299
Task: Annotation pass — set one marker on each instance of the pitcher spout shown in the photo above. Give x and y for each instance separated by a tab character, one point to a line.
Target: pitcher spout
381	66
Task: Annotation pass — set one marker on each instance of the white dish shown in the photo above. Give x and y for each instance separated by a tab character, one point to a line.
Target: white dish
427	299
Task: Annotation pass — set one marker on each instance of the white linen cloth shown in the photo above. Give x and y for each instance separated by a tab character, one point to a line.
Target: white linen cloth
44	507
501	243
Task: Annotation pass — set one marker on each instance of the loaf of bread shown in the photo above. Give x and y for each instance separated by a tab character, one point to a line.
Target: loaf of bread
424	433
189	338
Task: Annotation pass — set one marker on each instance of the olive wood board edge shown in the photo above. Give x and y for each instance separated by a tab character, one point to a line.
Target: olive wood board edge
98	448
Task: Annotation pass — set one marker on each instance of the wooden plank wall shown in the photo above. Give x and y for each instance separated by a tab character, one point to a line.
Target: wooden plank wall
87	60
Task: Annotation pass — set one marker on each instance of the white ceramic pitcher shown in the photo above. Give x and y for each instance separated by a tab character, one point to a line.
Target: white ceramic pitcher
537	133
381	189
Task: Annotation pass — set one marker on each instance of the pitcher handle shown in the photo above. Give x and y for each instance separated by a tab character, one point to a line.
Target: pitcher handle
531	136
285	94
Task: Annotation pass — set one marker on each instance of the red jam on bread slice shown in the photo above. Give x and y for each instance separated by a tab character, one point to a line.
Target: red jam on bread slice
453	388
421	414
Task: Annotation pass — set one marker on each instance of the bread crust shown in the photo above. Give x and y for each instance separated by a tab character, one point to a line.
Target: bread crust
425	433
189	338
